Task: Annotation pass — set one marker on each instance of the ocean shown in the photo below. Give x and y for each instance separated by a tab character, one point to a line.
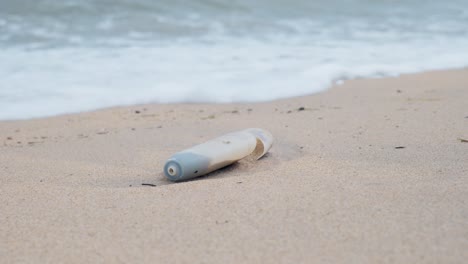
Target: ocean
67	56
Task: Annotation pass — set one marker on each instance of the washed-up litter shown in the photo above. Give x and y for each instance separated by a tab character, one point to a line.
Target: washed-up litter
217	153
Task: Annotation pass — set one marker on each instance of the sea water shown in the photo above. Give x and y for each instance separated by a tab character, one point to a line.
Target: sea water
76	55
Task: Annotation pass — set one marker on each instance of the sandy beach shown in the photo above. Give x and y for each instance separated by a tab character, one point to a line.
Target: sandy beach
370	171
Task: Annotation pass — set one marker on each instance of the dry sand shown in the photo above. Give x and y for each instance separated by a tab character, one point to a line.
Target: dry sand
371	171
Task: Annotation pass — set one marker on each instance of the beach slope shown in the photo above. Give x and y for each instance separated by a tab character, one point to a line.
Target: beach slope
371	171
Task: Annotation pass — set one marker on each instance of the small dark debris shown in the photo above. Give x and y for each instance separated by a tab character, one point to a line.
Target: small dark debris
239	182
130	185
400	147
463	140
9	138
466	116
159	127
18	142
398	91
195	171
301	147
137	112
249	110
234	111
149	184
40	181
133	129
289	112
301	108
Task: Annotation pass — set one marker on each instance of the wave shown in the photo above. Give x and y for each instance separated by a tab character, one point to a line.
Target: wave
69	56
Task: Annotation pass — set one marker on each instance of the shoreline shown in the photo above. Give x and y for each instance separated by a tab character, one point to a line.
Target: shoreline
335	85
372	170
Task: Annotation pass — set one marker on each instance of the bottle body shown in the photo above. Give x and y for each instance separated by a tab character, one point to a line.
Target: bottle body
217	153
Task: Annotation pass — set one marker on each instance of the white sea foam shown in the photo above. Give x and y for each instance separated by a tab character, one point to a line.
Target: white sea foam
47	82
57	67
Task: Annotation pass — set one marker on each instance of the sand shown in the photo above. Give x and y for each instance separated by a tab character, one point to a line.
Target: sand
371	171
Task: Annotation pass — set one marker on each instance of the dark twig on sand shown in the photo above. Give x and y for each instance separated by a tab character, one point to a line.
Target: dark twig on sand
149	184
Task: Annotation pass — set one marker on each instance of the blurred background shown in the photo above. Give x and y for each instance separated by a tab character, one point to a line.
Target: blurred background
76	55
